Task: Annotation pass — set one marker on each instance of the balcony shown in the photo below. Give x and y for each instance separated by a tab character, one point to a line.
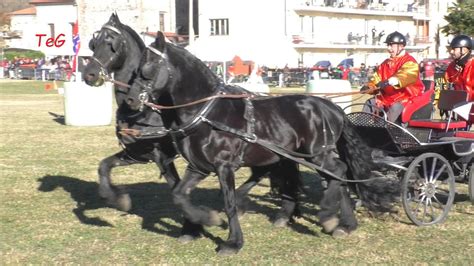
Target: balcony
302	42
388	8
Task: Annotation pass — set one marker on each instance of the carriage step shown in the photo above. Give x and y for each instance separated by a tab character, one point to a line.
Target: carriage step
379	157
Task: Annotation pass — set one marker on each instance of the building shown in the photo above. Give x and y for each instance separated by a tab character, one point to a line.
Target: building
141	15
274	33
298	32
46	26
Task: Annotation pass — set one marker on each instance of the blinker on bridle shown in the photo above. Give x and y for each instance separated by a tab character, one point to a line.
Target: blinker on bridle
147	89
103	66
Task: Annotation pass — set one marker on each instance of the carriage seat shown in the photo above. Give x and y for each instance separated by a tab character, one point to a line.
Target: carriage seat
464	134
420	107
448	100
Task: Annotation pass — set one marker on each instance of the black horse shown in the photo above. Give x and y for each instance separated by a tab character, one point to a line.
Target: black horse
219	128
118	49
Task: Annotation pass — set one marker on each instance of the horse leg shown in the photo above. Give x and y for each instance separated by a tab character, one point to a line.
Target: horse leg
181	197
190	231
348	222
336	198
330	206
114	196
288	173
235	241
241	199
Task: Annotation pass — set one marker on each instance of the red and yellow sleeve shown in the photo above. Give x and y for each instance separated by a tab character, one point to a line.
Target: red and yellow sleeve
407	74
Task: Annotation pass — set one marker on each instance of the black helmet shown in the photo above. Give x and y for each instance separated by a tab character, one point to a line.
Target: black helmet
461	41
396	37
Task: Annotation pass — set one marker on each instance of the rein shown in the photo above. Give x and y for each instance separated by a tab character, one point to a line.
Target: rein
241	96
223	95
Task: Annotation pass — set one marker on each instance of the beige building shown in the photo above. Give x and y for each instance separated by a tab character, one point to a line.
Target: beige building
270	32
302	32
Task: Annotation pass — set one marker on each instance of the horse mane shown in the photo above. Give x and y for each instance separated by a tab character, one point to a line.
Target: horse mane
184	58
134	35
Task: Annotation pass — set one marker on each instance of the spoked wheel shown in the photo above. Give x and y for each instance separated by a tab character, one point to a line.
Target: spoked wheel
471	183
428	189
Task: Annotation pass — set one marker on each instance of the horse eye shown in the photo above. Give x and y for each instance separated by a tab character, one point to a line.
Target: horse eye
147	71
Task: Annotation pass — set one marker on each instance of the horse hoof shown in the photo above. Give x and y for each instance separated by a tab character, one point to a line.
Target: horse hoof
330	224
281	222
214	219
227	251
339	233
124	203
187	238
240	213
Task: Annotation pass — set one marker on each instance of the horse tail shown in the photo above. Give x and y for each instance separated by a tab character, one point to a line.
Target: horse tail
378	194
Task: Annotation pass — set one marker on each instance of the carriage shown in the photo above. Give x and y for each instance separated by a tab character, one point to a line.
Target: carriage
429	155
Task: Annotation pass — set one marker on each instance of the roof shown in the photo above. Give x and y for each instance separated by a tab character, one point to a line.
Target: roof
25	11
57	2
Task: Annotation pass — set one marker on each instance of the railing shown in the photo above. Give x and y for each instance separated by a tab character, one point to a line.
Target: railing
39	74
388	5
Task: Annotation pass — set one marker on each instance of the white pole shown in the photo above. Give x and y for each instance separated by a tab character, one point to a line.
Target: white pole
76	55
191	24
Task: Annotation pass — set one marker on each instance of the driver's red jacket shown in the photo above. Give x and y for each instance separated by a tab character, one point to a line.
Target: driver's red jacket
462	79
406	70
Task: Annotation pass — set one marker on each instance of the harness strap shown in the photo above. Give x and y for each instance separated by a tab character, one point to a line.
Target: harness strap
186	130
294	156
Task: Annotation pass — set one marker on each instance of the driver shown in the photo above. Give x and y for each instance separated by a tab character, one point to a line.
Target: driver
460	71
396	82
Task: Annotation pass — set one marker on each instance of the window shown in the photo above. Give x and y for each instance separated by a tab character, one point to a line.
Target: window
51	30
162	21
220	26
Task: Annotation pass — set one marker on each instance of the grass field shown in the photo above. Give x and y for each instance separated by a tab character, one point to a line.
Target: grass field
50	212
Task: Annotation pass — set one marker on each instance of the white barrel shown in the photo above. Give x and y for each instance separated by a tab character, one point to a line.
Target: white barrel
87	106
332	86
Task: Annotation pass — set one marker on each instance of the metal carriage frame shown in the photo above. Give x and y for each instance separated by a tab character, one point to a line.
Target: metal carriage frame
428	166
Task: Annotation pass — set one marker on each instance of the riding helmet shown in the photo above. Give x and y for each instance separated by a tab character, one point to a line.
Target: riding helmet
461	41
396	37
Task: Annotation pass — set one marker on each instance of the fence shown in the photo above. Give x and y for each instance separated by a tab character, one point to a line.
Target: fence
41	74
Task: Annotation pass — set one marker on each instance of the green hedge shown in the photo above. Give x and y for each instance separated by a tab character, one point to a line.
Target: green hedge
10	55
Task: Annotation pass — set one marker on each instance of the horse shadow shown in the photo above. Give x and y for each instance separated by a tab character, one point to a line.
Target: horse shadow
58	118
312	194
151	201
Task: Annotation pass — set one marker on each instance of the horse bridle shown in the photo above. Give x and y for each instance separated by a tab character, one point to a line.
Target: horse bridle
147	88
104	73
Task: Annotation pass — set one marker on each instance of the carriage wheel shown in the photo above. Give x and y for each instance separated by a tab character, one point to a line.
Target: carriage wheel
428	189
471	183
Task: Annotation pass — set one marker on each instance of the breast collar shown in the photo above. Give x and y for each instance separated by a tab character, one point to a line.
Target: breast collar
187	128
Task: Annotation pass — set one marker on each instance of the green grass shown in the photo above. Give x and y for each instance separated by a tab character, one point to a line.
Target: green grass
50	212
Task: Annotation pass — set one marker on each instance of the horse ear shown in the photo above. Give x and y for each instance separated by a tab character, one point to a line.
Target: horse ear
160	41
114	19
117	18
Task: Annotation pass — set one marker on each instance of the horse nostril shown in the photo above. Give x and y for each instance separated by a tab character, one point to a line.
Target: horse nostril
90	76
129	101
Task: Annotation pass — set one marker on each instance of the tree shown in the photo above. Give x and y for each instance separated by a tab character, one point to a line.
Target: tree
460	19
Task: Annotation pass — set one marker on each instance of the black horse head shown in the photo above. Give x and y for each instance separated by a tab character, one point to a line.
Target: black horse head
117	49
165	67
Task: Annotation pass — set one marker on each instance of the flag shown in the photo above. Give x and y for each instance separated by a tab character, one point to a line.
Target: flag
76	44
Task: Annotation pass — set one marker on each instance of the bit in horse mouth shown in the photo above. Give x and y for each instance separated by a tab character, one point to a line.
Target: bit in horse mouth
99	82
